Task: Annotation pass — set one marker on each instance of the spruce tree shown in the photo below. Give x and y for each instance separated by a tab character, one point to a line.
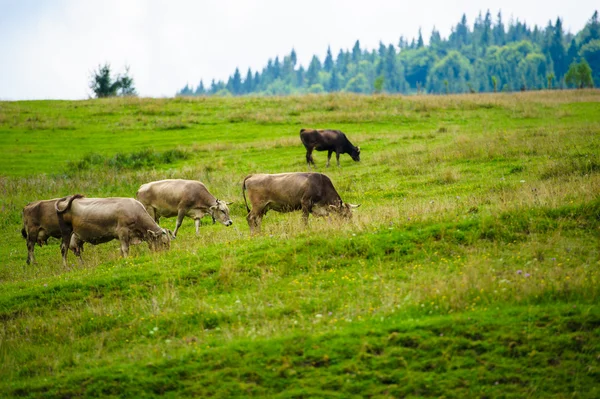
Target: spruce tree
420	40
557	50
328	63
356	53
248	85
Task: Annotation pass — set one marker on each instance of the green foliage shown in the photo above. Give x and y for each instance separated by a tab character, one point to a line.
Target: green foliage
579	75
103	85
518	56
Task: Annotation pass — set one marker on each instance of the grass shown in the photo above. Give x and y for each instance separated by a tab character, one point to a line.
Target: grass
471	268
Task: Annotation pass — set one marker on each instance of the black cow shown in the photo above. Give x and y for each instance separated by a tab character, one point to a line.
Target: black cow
327	140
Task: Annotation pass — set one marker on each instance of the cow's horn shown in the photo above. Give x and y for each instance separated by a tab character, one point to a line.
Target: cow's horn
353	206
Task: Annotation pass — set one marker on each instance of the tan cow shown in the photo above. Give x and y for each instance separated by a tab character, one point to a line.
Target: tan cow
39	223
285	192
99	220
176	197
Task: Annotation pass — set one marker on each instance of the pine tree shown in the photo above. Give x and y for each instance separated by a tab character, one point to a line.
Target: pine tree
557	50
293	58
200	90
328	63
486	33
236	83
248	85
312	74
356	53
498	31
420	40
334	82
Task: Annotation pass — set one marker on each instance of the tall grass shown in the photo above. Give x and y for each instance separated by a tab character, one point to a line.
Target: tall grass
472	260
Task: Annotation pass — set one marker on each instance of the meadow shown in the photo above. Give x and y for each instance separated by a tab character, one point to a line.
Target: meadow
471	268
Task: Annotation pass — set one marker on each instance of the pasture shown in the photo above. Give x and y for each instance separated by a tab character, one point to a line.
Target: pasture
471	268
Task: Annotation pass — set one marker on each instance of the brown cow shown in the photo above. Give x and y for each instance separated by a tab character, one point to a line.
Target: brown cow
39	223
99	220
327	140
175	197
285	192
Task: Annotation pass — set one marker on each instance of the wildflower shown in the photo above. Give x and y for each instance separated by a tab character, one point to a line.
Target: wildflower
519	271
527	274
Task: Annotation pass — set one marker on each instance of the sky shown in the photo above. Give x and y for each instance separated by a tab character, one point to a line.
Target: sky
50	48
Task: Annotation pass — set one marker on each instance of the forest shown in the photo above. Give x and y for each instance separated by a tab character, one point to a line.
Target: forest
490	56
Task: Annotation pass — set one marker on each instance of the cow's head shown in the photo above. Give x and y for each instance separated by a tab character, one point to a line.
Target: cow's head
355	154
344	209
220	212
160	240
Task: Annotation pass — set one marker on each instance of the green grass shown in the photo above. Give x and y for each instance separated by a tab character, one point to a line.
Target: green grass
470	269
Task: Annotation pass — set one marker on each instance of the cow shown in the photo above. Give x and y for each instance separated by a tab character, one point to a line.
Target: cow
176	197
330	141
40	222
285	192
100	220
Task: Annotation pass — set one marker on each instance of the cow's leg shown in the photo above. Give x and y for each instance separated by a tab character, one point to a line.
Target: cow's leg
306	210
30	249
197	223
124	239
254	219
64	248
153	213
309	158
337	156
329	156
180	216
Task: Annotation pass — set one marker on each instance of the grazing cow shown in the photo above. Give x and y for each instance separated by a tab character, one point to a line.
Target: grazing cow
327	140
99	220
285	192
181	198
39	223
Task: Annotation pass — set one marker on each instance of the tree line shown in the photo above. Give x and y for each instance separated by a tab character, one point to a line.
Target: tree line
489	56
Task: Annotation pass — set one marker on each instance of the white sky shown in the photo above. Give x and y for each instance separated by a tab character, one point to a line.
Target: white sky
48	48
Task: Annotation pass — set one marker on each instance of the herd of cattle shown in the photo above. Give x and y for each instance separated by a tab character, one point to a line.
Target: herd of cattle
76	219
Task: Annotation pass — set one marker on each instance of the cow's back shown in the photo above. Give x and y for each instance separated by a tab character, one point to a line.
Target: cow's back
170	193
42	214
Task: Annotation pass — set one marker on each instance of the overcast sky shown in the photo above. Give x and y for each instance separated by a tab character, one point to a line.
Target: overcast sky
49	48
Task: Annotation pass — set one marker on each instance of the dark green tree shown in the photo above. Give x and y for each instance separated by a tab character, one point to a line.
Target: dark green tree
334	82
420	43
248	85
498	31
356	53
312	74
328	63
557	50
200	90
103	85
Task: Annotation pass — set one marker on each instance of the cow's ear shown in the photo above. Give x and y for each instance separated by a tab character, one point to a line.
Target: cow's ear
212	208
152	234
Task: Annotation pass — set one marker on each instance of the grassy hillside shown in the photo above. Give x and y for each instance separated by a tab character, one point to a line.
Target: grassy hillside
470	270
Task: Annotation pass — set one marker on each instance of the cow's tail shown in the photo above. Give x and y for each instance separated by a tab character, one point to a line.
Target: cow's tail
65	230
244	193
24	229
69	199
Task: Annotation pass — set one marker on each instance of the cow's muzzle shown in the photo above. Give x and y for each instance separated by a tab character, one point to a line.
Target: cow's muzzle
228	223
